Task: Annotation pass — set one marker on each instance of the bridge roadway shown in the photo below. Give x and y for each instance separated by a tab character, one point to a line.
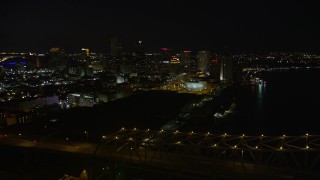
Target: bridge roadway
206	156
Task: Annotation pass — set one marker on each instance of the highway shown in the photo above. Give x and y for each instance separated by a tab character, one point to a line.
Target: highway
50	144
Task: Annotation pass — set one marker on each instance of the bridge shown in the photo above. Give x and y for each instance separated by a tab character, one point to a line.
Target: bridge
194	155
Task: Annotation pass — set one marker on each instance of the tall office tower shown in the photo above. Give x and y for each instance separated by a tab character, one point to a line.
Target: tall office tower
38	63
174	66
57	59
85	57
165	55
214	67
126	64
226	68
203	61
139	51
139	57
185	61
85	51
115	47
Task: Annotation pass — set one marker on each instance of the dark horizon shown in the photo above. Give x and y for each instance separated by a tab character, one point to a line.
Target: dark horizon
244	26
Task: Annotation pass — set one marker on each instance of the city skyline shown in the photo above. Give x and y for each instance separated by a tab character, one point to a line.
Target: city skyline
206	25
159	90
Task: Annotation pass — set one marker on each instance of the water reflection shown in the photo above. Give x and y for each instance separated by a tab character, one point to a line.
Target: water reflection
287	103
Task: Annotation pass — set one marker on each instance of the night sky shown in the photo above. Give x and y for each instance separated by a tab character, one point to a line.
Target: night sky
30	25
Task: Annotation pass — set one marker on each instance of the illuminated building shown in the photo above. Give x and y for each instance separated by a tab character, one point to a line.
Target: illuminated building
226	68
84	68
139	63
38	64
139	52
84	57
203	61
174	65
214	67
96	67
174	60
164	61
185	60
44	101
17	117
85	51
74	100
165	55
57	59
196	86
115	47
120	79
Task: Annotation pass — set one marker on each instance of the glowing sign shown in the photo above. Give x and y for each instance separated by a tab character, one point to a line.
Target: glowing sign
187	51
214	60
174	60
164	49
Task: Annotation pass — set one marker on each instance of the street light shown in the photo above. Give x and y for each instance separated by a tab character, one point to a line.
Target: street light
87	134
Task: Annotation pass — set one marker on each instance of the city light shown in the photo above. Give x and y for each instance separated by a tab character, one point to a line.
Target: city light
52	100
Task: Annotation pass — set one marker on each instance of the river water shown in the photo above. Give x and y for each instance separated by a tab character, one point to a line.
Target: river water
287	103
